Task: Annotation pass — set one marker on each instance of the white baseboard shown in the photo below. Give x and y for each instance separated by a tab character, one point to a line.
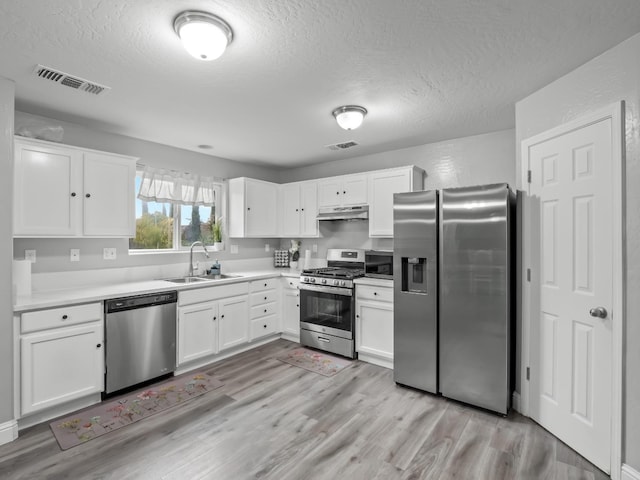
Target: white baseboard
515	402
629	473
8	431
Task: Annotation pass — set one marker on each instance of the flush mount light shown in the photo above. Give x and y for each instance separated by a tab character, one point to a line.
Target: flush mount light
203	35
349	117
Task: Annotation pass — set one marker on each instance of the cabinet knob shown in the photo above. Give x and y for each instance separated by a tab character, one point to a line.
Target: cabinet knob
296	209
265	298
265	284
297	305
214	318
248	208
64	317
357	316
344	192
88	195
73	194
264	326
302	209
375	293
98	345
265	310
221	316
337	193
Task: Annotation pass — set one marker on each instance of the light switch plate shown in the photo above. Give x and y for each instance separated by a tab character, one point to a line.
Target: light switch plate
30	255
109	253
234	248
74	255
266	247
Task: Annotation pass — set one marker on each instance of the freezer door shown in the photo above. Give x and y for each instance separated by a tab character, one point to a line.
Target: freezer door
415	283
475	286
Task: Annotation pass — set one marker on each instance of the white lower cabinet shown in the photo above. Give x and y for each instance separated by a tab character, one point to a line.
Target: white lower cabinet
291	309
265	308
197	331
61	363
233	326
374	324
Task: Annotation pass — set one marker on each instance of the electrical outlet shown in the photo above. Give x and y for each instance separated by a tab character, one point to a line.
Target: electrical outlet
30	255
266	247
315	248
109	253
234	248
74	255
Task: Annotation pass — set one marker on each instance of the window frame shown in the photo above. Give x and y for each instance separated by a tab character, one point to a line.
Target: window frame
176	238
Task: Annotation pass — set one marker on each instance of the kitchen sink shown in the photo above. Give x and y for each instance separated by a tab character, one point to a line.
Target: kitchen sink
218	277
201	278
186	279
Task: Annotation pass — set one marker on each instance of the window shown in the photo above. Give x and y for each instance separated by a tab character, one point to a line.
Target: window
170	225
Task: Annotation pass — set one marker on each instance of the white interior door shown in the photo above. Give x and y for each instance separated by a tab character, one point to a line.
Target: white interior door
571	205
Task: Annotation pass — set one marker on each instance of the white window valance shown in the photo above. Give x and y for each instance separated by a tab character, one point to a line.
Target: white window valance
169	186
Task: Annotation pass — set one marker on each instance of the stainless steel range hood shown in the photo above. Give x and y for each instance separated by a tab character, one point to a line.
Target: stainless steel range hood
358	212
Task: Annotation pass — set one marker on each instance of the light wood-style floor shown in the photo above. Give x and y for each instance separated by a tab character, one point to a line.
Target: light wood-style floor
272	420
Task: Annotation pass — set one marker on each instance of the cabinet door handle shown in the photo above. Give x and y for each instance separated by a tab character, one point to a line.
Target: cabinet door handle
88	195
98	345
73	194
64	317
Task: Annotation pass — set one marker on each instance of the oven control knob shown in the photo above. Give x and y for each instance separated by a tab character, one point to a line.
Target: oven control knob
336	282
312	280
343	283
305	279
324	280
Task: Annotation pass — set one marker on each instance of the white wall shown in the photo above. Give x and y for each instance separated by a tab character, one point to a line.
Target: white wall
7	90
609	78
476	160
53	254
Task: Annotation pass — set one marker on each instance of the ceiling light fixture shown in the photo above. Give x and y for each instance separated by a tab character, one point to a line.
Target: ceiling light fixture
203	35
349	117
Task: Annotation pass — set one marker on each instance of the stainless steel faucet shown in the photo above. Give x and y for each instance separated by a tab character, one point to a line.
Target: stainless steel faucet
206	252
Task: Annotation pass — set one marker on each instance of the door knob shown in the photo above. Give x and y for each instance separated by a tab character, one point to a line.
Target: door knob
599	312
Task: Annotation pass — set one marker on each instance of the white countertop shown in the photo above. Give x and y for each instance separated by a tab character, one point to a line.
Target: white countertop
375	282
96	293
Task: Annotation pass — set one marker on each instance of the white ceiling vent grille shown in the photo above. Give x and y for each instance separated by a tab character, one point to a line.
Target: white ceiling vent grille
342	146
67	80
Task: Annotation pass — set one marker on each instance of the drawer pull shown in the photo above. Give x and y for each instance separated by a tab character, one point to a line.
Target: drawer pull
64	317
322	339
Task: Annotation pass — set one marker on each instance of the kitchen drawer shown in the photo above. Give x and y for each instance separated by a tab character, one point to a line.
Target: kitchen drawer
264	326
266	284
379	294
198	295
263	310
291	282
60	317
266	296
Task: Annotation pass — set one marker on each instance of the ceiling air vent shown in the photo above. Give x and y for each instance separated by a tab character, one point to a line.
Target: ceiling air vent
342	146
69	80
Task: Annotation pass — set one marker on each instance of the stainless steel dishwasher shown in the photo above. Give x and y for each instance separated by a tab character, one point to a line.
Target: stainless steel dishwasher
140	335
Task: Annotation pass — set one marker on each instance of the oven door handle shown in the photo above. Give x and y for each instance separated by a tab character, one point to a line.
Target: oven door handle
347	292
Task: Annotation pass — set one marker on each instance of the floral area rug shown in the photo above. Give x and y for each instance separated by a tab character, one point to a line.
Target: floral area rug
327	365
113	414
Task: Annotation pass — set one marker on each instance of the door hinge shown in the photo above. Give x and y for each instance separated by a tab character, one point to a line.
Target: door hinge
528	274
528	373
528	176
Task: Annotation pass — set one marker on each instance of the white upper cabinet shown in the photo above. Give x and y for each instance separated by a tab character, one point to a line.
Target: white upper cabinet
382	185
252	208
299	209
63	191
342	191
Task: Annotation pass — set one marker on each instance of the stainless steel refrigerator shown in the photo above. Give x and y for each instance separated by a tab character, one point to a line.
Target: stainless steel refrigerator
454	260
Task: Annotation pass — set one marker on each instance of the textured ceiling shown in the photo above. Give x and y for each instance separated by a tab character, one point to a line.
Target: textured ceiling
427	70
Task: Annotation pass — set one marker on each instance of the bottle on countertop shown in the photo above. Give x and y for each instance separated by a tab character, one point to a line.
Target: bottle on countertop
215	268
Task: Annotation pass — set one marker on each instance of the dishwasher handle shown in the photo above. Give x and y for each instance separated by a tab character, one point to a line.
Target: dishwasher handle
139	301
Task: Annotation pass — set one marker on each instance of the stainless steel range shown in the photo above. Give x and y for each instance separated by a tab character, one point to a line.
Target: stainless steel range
327	302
